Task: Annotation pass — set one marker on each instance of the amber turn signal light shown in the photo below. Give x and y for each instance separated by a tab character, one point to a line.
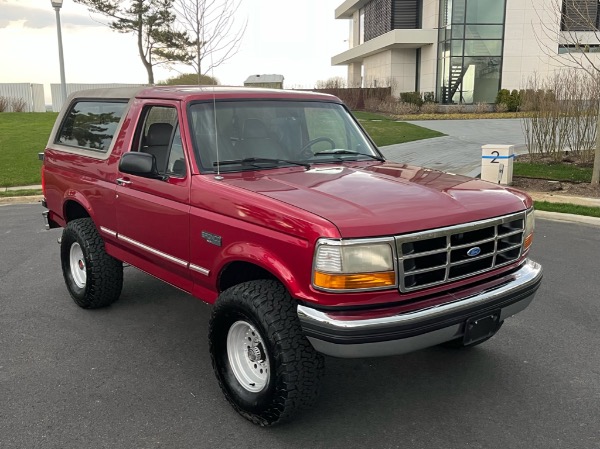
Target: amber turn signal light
354	281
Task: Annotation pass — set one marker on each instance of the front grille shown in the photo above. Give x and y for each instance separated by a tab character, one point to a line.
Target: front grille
445	255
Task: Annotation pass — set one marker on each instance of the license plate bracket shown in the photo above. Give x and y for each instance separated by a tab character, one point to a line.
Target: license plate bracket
481	327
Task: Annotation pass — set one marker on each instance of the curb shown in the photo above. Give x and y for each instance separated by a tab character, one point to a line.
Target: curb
6	201
565	199
567	218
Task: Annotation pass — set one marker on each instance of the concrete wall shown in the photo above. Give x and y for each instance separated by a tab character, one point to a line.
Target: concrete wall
32	94
395	68
429	54
528	38
57	101
532	36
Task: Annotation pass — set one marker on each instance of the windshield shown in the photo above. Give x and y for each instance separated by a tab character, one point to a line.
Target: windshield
266	134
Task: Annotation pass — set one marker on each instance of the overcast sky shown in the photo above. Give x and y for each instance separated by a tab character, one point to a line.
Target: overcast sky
294	38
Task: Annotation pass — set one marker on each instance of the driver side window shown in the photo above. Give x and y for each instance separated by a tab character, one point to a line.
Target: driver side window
161	137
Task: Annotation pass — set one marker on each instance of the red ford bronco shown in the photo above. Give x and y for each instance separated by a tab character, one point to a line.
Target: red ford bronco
278	208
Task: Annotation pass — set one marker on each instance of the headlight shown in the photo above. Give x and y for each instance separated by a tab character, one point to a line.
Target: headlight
354	265
529	227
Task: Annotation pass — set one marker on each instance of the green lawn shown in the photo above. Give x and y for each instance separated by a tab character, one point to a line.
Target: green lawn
386	131
22	137
568	208
556	172
24	192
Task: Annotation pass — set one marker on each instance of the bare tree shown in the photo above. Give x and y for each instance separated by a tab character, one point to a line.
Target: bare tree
578	39
335	82
212	31
151	21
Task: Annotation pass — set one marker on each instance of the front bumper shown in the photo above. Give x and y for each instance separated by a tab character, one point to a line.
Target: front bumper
340	334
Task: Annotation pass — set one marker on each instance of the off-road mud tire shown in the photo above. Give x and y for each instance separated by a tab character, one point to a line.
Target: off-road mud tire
103	273
295	367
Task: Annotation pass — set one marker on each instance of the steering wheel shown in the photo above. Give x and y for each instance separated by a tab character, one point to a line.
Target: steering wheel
305	151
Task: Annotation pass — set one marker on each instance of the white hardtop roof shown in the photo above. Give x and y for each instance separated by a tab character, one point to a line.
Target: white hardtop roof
264	79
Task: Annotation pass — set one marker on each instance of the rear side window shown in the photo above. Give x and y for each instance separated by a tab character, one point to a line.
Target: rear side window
91	124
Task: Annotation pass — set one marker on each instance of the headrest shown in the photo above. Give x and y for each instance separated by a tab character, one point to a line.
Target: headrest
179	167
159	134
254	129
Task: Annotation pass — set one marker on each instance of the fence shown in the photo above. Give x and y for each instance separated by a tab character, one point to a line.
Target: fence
31	96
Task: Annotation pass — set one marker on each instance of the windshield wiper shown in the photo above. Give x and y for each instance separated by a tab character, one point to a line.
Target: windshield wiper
256	160
355	153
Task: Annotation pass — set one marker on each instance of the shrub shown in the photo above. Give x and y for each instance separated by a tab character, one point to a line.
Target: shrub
501	107
457	109
481	108
429	108
4	103
18	104
512	100
411	97
372	104
190	79
403	108
502	96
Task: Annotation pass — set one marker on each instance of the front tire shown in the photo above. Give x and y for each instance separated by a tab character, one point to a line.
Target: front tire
265	366
94	279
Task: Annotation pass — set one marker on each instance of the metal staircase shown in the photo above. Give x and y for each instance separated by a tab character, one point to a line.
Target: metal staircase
457	74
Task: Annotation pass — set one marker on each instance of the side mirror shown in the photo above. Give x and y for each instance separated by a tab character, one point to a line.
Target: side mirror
139	164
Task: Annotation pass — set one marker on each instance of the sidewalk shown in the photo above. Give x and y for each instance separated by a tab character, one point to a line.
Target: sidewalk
11	189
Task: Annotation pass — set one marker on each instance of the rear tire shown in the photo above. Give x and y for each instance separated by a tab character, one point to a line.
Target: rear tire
94	279
265	366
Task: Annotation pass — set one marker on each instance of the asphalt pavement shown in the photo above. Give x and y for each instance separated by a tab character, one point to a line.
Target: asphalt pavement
138	374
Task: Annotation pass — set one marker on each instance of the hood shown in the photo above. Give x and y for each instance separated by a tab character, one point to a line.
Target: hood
367	200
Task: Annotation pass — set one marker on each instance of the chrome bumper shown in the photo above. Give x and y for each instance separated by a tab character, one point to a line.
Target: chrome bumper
331	334
45	213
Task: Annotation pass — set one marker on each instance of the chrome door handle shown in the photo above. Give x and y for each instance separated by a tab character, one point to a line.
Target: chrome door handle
123	182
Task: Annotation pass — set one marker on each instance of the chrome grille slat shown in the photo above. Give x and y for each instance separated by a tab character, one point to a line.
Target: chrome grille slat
472	259
508	249
470	245
508	234
429	253
427	270
500	241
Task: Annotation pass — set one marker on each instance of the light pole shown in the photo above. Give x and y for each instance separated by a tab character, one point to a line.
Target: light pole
57	4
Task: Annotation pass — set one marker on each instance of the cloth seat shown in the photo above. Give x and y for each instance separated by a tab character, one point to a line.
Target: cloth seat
157	143
256	141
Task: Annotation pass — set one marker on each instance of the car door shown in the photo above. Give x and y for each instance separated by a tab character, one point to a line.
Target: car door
153	214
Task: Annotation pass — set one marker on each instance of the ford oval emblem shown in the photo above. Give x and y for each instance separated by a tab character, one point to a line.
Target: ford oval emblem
476	251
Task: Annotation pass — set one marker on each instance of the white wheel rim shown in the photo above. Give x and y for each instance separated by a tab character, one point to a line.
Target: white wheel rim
248	356
77	263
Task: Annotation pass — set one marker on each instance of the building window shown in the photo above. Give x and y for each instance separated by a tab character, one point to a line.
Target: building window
574	48
470	50
580	15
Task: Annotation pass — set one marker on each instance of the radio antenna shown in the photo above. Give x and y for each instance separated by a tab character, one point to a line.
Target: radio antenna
218	177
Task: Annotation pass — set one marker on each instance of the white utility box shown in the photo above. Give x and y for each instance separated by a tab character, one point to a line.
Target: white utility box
497	163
